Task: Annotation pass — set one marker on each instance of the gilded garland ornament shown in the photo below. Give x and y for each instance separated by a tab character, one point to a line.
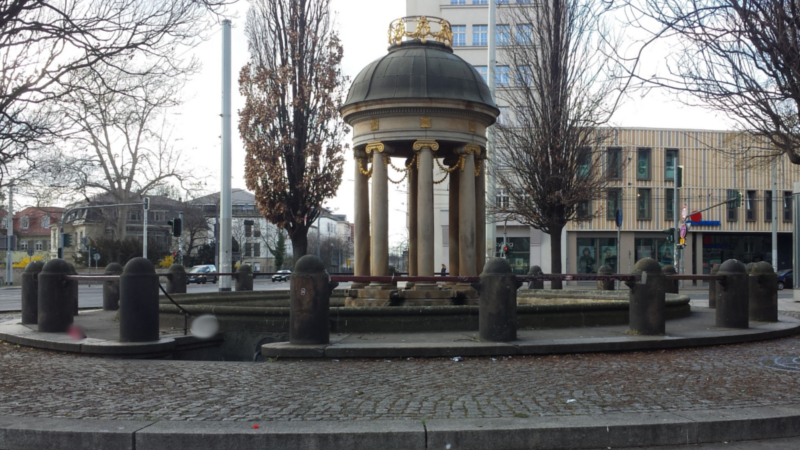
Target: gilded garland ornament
422	32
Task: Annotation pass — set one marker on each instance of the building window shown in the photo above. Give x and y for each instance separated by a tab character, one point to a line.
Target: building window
501	76
134	215
5	222
45	221
459	35
787	206
23	245
594	253
659	249
458	2
613	203
524	75
38	246
525	34
257	250
256	232
478	2
669	204
502	199
614	161
503	36
670	162
767	206
480	35
248	249
750	206
248	230
584	210
24	222
505	116
643	209
484	72
585	163
643	164
733	210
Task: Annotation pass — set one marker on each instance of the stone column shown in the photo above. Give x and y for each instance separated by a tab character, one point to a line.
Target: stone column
412	220
361	242
467	206
425	149
453	228
480	216
380	211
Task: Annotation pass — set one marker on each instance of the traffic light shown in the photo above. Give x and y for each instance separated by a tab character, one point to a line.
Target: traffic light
177	226
66	238
505	251
146	203
679	177
670	232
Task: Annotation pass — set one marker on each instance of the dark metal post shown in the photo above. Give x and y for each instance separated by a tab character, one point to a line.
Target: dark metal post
30	293
670	286
713	288
310	296
605	285
244	278
763	287
55	309
497	316
535	284
72	290
733	304
138	309
647	299
111	288
176	282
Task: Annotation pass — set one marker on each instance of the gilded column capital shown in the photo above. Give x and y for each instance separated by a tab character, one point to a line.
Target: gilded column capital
426	143
375	146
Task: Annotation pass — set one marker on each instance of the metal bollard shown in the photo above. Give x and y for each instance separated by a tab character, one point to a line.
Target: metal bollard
732	304
647	299
111	288
670	286
310	297
244	278
497	312
605	285
535	284
176	281
55	309
763	290
30	293
72	291
138	308
713	288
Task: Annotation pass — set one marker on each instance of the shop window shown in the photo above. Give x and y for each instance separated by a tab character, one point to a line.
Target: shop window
670	162
643	164
480	35
750	206
459	35
518	255
614	162
592	253
657	248
669	204
733	210
767	206
643	204
613	203
787	206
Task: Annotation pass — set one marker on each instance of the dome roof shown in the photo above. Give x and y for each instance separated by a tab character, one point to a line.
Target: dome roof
416	70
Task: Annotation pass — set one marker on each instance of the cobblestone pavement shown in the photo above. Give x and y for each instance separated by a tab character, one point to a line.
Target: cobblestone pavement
49	384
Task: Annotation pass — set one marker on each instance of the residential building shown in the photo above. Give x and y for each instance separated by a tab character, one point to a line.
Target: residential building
331	238
32	227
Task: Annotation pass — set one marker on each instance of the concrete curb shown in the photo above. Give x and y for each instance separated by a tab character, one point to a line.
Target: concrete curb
578	432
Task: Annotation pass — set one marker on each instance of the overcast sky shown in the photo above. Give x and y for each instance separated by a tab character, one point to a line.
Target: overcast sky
363	28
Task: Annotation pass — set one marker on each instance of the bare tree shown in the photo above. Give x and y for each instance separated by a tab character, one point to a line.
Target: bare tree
562	89
738	57
119	144
44	43
293	135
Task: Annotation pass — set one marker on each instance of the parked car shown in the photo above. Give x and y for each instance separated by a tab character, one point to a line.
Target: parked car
785	279
282	275
202	274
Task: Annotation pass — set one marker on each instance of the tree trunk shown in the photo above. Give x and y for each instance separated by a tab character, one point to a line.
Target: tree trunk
555	255
299	244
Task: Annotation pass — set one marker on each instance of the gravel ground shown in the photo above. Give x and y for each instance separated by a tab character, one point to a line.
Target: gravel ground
49	384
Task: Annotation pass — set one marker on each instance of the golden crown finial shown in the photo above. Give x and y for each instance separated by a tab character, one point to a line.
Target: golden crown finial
398	30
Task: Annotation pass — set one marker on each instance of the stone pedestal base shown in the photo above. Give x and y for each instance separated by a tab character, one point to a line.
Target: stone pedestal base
391	296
